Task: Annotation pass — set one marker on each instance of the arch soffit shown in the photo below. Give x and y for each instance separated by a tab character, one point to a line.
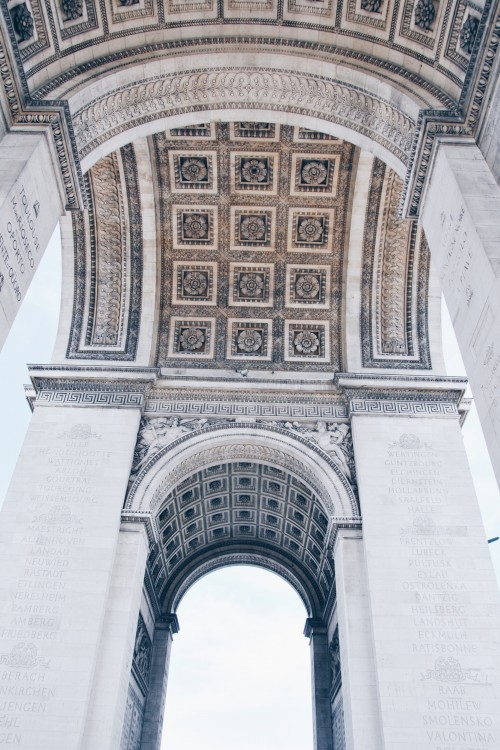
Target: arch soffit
244	442
138	100
202	567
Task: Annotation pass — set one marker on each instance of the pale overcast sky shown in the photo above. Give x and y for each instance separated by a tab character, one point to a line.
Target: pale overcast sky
240	659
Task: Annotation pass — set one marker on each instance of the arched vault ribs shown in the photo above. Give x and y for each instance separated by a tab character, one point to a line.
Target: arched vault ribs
242	493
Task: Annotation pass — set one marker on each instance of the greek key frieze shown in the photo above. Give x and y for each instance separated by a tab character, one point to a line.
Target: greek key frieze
125	399
403	407
328	411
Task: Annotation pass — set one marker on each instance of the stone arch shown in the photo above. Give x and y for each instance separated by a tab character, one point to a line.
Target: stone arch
245	493
259	442
350	104
224	560
285	522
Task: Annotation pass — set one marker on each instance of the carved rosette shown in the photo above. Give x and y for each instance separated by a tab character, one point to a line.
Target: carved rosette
468	34
22	21
425	13
72	9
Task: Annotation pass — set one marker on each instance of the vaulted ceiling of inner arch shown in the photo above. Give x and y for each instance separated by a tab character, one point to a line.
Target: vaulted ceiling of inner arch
242	506
250	226
424	45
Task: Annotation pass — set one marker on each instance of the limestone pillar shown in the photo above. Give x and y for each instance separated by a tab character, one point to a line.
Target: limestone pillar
112	676
359	684
30	207
461	216
434	601
152	726
317	633
60	561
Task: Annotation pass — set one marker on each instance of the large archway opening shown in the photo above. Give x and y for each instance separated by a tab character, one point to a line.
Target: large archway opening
240	667
260	506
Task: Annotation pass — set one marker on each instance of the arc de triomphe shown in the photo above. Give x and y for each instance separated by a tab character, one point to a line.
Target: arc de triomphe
260	203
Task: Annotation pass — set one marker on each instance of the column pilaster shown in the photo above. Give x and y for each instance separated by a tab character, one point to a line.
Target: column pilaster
104	723
30	207
359	683
434	601
59	540
460	216
317	632
165	629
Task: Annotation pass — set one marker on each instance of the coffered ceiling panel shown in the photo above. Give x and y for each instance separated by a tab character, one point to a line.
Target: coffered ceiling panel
254	223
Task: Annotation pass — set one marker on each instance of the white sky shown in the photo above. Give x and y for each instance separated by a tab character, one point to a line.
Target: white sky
240	659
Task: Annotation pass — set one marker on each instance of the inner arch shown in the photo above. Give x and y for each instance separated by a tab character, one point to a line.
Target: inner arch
243	512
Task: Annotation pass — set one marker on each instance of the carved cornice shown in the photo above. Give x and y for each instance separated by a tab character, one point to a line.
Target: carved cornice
412	396
127	390
463	122
223	88
23	113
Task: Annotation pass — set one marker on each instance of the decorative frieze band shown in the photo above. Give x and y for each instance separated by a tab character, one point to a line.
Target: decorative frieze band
271	89
259	410
402	408
123	399
115	392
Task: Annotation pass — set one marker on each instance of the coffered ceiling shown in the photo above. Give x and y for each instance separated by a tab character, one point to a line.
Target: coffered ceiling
250	226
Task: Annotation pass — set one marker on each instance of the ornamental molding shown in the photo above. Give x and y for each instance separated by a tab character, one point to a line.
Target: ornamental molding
174	472
245	405
59	391
157	433
400	407
323	52
394	281
50	117
127	399
233	88
107	245
111	261
463	121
